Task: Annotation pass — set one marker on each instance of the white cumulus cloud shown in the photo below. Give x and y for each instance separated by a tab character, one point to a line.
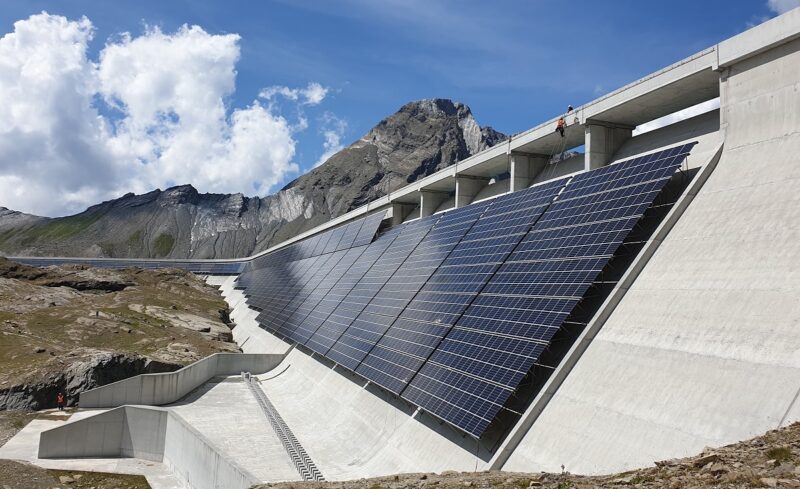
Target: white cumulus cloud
333	130
149	112
782	6
313	94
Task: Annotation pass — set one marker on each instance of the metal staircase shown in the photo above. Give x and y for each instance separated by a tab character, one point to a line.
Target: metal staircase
305	466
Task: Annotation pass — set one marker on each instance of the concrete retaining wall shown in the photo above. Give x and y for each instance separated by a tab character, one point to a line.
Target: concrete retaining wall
247	333
702	350
152	434
197	462
123	432
160	389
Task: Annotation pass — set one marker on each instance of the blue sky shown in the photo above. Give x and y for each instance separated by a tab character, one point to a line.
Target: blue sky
515	63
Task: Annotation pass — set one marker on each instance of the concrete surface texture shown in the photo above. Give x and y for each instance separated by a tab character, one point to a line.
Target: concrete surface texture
703	349
146	433
159	389
197	462
227	414
25	446
122	432
247	333
351	431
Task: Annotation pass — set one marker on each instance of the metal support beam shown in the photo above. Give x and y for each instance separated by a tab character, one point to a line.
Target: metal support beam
602	141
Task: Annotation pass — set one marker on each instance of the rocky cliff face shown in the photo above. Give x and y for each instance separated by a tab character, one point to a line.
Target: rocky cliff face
97	370
421	138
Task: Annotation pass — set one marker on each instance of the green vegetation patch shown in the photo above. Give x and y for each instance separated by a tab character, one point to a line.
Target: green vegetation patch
779	454
135	237
163	244
62	227
7	234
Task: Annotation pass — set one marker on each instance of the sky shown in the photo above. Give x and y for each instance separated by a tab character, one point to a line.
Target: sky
101	98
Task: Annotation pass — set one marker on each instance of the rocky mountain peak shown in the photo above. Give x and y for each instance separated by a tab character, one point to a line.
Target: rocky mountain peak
437	106
421	138
180	194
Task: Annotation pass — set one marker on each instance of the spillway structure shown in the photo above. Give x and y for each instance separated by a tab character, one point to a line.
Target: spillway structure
516	311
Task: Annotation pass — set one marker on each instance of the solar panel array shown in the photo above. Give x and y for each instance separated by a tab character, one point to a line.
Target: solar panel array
452	311
420	327
200	267
502	333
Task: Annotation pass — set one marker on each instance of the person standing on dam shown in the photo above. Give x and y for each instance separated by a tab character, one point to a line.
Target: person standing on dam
570	111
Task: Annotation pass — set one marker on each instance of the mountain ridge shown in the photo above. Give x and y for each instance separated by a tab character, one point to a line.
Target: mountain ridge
422	137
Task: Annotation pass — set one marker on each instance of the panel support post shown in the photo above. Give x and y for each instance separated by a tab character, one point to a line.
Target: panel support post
430	200
400	211
467	187
523	168
603	139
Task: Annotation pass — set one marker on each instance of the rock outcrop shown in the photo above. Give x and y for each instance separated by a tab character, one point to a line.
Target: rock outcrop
74	328
100	369
421	138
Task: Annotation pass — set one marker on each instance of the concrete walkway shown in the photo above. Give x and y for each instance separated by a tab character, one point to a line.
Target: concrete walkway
25	447
225	411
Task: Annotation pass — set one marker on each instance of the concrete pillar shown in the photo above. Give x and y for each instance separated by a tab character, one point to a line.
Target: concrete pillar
430	200
523	168
467	187
602	141
400	211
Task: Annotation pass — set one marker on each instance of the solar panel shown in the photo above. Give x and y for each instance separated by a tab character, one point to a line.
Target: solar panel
455	283
349	235
367	232
201	267
494	344
326	329
280	288
356	233
349	347
299	294
304	303
406	282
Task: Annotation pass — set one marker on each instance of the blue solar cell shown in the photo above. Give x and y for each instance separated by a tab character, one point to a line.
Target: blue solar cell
360	283
427	318
501	334
412	275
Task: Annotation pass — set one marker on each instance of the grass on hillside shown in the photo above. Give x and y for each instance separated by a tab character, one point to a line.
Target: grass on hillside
53	229
99	321
163	244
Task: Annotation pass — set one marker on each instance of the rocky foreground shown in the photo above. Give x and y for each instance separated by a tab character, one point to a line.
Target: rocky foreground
74	328
771	460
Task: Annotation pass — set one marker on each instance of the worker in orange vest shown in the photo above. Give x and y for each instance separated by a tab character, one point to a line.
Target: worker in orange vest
60	401
560	125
